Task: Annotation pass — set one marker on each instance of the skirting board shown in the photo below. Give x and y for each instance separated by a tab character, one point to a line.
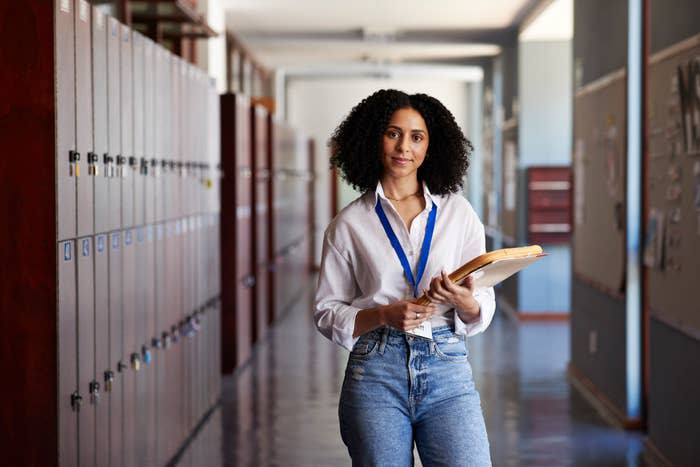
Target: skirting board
600	402
653	457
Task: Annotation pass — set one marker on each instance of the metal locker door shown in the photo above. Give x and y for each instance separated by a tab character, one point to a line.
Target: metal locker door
138	128
161	357
66	165
132	361
68	395
149	134
186	345
83	117
244	258
114	382
102	362
140	351
99	121
158	150
114	162
126	130
150	346
86	349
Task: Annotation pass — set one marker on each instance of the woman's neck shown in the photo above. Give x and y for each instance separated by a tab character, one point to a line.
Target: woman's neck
399	188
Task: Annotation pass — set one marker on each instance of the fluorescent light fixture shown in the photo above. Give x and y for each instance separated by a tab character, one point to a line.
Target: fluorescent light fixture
554	23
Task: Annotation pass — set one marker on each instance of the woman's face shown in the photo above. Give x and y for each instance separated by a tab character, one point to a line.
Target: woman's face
404	143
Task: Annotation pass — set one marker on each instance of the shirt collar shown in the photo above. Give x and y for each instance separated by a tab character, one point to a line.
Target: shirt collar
430	198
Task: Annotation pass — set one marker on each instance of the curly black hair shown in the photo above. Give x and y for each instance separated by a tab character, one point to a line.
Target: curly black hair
356	144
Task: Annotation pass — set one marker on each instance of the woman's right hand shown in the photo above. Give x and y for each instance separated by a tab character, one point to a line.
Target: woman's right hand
405	315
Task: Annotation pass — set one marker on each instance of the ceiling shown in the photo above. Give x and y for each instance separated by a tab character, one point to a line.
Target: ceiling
282	33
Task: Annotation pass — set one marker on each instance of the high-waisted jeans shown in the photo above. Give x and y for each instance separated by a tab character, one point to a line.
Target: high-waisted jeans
399	390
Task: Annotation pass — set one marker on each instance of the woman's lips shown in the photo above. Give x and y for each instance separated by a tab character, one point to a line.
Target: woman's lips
400	160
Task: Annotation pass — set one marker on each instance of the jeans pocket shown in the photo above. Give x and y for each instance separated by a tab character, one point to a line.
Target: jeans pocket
365	346
451	347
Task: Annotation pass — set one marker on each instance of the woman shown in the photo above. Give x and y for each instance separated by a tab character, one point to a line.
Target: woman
408	156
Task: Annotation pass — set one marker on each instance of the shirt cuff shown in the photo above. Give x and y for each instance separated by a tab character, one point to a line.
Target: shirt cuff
487	307
344	326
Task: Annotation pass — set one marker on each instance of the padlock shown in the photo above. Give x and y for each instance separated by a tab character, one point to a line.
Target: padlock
75	400
144	166
107	160
109	379
146	355
94	392
135	361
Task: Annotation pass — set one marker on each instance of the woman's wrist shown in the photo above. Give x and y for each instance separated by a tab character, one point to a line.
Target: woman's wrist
469	310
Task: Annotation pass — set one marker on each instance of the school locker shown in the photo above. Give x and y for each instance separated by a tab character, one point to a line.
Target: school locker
115	159
99	122
126	129
83	118
141	163
67	165
102	363
69	398
114	381
86	349
132	359
261	175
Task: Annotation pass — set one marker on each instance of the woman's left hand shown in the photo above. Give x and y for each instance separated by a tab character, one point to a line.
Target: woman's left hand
445	292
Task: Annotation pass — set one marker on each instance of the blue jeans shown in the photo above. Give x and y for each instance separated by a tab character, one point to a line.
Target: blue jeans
399	390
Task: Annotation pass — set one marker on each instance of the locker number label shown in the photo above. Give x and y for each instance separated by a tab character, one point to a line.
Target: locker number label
67	251
86	247
100	243
127	238
115	241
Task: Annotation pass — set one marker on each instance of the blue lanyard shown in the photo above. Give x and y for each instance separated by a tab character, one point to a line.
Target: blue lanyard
424	251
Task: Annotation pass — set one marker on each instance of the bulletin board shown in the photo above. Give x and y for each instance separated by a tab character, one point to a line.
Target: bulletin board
599	182
672	234
509	182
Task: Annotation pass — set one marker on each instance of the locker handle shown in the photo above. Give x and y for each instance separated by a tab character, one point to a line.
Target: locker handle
174	333
248	281
144	166
121	366
75	400
132	161
165	340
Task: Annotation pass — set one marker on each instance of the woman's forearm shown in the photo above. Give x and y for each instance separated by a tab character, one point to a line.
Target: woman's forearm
368	320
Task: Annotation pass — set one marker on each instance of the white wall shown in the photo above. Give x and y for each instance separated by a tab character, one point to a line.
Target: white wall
317	106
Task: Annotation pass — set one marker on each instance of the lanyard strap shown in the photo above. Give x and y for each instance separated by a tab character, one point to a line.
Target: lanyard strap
424	251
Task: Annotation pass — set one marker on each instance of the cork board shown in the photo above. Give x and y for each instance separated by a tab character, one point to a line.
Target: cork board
672	233
599	182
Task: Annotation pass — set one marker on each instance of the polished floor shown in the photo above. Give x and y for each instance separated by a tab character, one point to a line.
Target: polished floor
281	408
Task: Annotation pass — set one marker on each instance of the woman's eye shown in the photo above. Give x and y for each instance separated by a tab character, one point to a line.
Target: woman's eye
392	134
417	138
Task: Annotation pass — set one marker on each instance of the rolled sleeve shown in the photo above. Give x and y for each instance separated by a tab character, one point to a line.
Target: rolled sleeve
333	313
487	307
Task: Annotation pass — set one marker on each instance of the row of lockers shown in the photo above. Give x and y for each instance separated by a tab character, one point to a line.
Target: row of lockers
132	119
137	171
139	364
266	222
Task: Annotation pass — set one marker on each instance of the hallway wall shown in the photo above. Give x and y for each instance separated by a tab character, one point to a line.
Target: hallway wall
674	313
598	336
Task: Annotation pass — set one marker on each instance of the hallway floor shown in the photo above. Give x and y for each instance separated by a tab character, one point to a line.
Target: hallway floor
281	408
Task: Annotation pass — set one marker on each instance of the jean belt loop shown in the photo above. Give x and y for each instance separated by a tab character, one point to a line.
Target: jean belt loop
432	347
382	340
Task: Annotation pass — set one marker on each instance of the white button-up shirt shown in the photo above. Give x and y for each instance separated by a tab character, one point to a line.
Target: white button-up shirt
360	269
